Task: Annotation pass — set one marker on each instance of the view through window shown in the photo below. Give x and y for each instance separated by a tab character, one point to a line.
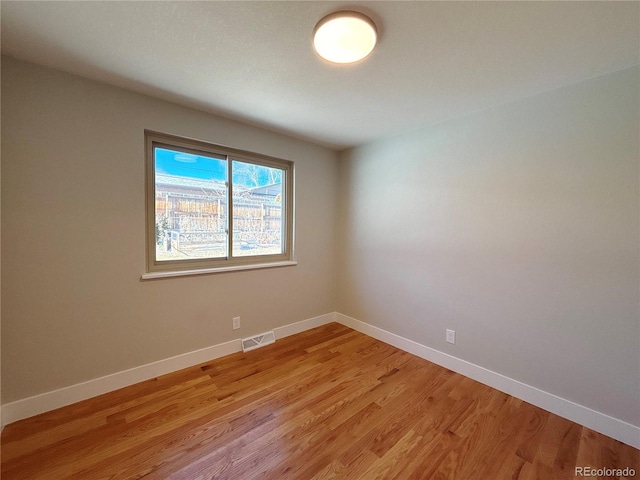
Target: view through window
212	204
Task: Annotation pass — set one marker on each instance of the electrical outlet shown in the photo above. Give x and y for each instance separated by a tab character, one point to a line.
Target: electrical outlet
451	336
236	323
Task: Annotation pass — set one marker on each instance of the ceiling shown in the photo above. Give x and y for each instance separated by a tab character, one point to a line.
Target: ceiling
253	61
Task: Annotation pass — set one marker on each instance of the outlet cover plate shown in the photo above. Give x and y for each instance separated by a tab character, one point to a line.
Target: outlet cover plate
451	336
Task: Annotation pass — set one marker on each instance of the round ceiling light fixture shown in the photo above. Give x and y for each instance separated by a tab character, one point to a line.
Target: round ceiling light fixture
345	37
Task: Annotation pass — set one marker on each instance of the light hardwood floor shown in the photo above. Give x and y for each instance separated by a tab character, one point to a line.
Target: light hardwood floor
326	403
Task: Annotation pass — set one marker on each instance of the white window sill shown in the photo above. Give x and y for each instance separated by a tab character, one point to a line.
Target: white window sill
204	271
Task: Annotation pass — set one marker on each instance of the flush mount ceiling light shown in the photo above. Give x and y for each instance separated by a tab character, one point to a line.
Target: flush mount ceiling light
345	37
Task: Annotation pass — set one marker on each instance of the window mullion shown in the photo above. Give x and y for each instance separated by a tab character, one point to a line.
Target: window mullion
230	208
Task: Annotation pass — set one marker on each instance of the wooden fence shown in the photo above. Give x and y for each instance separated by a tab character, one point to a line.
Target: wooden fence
199	221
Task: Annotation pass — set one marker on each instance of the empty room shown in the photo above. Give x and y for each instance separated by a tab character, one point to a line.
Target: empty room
311	240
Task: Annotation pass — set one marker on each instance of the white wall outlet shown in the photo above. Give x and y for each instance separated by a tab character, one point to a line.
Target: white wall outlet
451	336
236	323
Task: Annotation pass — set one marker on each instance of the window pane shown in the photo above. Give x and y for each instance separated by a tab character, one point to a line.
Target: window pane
191	205
258	198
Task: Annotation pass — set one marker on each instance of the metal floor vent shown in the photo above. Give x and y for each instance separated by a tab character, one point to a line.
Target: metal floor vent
258	341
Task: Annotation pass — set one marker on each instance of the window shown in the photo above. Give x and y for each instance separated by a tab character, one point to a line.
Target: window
211	207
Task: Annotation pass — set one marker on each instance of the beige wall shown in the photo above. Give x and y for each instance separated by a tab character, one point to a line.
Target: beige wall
517	227
1	424
73	236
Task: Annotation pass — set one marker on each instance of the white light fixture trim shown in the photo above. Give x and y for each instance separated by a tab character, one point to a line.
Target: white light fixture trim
345	37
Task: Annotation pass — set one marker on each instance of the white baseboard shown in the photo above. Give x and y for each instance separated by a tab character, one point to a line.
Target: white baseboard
304	325
612	427
28	407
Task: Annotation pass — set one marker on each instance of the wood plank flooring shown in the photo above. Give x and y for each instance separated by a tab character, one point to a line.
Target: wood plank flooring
327	403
